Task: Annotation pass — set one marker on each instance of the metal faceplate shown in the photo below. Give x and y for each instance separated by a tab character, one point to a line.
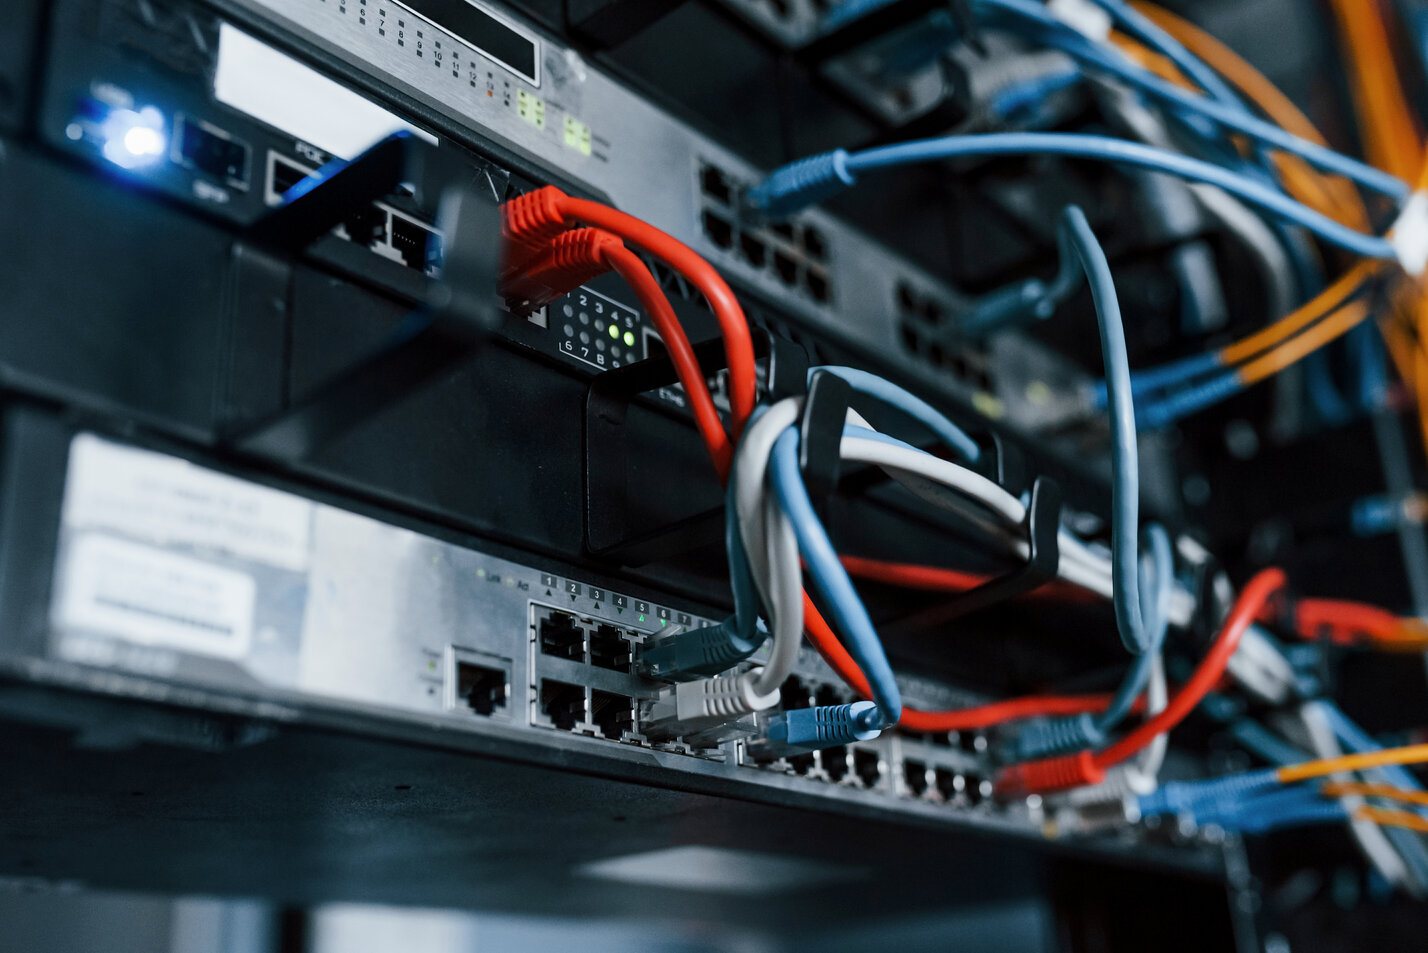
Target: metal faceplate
592	129
192	578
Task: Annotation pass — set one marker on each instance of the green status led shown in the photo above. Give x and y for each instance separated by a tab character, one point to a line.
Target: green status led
642	618
614	330
629	339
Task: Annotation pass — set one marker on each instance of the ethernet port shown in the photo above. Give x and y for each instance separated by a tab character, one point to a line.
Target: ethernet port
835	762
719	229
367	226
801	764
754	250
794	693
785	267
481	687
973	789
608	648
817	284
813	242
713	184
283	174
562	703
868	766
612	713
948	783
415	243
561	637
914	777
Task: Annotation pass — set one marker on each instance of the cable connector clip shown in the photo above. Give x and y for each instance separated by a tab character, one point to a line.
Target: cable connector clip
1409	234
1083	16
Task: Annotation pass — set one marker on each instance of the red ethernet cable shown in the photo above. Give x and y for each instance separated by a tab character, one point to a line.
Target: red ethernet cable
1087	767
533	221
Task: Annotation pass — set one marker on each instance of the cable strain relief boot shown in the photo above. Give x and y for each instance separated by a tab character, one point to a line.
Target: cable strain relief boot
1179	797
699	653
571	259
800	184
529	223
811	729
1048	775
1056	736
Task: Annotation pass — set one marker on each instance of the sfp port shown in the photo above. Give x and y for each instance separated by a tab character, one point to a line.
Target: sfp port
561	637
562	703
482	688
609	648
612	713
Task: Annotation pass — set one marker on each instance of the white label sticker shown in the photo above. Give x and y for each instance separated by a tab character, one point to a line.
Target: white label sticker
171	502
151	597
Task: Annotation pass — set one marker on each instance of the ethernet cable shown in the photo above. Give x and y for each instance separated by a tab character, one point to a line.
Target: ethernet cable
908	403
1125	482
1229	116
1089	767
832	581
819	177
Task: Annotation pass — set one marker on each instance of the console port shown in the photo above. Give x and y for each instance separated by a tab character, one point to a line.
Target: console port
785	267
608	648
835	762
415	243
212	151
801	764
947	782
562	703
868	766
754	250
283	174
713	184
367	226
561	637
719	229
914	777
793	693
481	687
817	284
612	713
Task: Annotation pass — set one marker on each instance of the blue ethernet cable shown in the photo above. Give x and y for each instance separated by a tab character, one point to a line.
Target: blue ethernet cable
1080	732
832	582
910	404
1059	35
815	178
1125	466
1140	27
1161	581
